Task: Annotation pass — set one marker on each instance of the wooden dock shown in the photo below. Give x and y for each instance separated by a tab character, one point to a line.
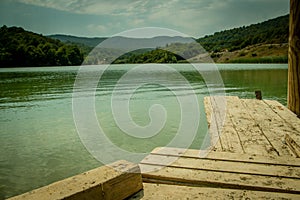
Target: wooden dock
255	157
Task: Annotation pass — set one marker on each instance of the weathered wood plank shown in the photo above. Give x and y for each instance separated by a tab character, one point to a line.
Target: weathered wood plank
288	116
240	132
229	137
270	124
294	146
235	157
223	166
163	191
290	120
251	126
212	125
229	133
220	179
116	181
251	137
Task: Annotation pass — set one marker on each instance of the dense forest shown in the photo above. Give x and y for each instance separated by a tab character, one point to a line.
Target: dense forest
154	56
22	48
273	31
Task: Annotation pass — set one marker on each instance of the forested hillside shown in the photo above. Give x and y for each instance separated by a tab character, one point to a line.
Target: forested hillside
22	48
90	42
274	31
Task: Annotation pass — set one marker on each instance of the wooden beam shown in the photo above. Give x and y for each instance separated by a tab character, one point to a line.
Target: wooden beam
118	180
294	58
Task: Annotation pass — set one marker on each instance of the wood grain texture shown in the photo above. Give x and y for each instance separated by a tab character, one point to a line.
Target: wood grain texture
271	125
294	146
294	58
199	178
225	156
175	192
223	166
174	166
255	127
116	181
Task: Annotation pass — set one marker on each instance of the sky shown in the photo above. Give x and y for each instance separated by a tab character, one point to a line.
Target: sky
104	18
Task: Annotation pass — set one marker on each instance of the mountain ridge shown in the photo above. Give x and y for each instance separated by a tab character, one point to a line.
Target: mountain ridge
241	44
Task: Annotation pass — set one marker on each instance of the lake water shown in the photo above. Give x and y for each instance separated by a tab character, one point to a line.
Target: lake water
38	137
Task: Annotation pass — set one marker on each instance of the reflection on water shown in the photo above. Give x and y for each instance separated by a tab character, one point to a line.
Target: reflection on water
38	138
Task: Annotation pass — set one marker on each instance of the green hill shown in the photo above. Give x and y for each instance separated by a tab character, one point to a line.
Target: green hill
20	48
273	31
264	42
90	42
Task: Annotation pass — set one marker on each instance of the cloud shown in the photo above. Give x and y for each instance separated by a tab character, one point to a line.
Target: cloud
97	28
92	7
193	17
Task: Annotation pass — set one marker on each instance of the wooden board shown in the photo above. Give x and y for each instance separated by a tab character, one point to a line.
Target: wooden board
271	125
288	116
223	166
116	181
234	157
194	177
222	170
163	191
212	122
294	146
229	138
252	126
251	137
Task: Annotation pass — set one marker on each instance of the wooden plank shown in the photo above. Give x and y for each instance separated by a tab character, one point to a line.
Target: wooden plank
234	157
239	133
212	118
194	177
246	127
230	139
289	118
251	137
163	191
270	124
223	166
294	146
229	136
116	181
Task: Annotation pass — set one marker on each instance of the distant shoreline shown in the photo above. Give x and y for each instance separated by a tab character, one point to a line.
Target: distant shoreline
78	66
